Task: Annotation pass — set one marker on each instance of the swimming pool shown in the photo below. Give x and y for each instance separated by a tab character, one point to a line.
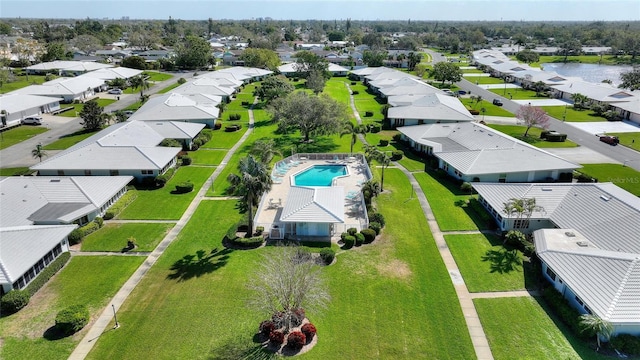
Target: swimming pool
319	175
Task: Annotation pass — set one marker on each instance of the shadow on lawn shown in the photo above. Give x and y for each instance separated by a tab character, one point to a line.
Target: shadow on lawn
201	263
503	261
233	351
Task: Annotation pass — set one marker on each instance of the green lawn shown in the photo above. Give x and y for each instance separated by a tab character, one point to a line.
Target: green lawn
533	136
14	171
629	139
487	266
623	176
85	280
19	134
585	59
114	236
69	140
483	80
161	204
157	76
168	88
572	115
517	94
335	87
521	328
78	107
443	196
207	156
206	305
490	109
20	82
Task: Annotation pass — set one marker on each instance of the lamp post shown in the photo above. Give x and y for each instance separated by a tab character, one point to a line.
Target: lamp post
117	325
564	115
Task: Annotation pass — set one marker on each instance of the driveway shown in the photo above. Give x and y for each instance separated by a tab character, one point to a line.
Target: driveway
581	155
542	102
602	127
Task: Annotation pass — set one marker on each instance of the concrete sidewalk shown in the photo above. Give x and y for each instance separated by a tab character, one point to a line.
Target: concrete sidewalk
86	344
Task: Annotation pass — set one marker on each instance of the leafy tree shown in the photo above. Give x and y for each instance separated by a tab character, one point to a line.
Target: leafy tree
528	56
335	36
446	71
38	152
571	46
597	326
421	69
252	181
260	58
315	81
539	87
414	59
286	281
87	43
312	115
372	153
119	83
352	130
374	58
532	116
631	79
306	62
273	87
265	150
522	208
120	116
55	51
520	39
5	28
373	40
579	100
135	62
91	115
193	53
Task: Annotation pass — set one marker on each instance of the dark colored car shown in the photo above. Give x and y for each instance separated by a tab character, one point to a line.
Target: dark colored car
462	92
611	140
497	102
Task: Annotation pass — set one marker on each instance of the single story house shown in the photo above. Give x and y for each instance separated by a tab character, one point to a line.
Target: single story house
255	74
70	89
602	93
629	110
290	69
178	107
128	148
362	73
313	211
585	237
65	67
426	109
415	87
473	152
15	107
207	86
389	79
114	73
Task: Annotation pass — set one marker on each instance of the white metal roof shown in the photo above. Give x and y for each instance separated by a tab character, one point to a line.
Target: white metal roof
291	68
204	86
175	106
14	103
432	107
23	246
62	86
66	65
418	88
314	204
176	129
114	73
600	92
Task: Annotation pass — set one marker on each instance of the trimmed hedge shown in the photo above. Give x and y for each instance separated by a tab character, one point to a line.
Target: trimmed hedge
349	241
355	92
556	137
377	217
186	160
359	239
383	142
369	235
352	231
252	242
77	235
72	319
368	113
397	155
122	203
184	187
327	255
235	117
232	128
375	128
627	343
567	314
375	227
14	301
48	273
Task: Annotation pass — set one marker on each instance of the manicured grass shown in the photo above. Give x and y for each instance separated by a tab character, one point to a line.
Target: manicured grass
225	140
14	171
335	87
488	266
572	115
374	138
623	176
443	195
585	59
483	80
629	139
20	82
69	140
157	76
472	71
517	94
19	134
491	110
207	156
161	204
85	280
168	88
520	328
208	306
114	236
78	107
533	136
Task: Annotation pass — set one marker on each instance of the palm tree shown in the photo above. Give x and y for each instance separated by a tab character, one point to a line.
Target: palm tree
370	189
265	150
38	152
373	153
253	181
578	100
596	325
141	82
353	130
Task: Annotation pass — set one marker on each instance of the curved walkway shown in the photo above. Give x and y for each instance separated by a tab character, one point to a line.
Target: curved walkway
98	327
476	332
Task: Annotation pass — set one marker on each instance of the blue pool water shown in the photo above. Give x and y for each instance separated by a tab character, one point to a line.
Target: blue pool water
319	175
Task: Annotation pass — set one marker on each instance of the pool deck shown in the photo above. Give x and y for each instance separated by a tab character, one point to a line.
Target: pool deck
272	203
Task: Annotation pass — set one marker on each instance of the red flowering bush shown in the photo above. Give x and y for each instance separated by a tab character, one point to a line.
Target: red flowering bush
296	340
266	327
276	337
309	330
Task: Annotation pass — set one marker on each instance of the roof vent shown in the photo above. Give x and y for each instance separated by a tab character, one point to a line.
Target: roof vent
54	180
582	243
569	234
605	198
547	189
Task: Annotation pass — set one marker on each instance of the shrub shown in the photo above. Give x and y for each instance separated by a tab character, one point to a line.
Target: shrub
245	103
368	113
353	83
627	343
13	301
235	117
377	217
47	273
182	81
375	128
161	180
217	125
352	231
359	239
309	330
515	238
170	143
252	242
375	227
583	178
266	327
186	160
568	314
98	220
70	320
397	155
466	187
231	232
369	235
75	237
556	137
259	230
349	241
184	187
384	142
296	340
232	128
355	92
122	203
327	255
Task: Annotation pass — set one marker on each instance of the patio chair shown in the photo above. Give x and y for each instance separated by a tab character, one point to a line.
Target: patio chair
351	195
276	180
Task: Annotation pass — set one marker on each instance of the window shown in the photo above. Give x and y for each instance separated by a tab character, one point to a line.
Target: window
551	274
114	172
579	301
87	173
60	172
146	172
521	224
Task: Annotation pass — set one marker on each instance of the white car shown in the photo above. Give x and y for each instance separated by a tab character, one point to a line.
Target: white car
115	92
448	92
32	120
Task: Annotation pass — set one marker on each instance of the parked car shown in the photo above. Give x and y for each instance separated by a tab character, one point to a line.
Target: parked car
611	140
462	92
115	92
497	102
32	120
128	112
448	92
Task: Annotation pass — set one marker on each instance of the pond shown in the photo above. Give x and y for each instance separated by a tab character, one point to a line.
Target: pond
594	73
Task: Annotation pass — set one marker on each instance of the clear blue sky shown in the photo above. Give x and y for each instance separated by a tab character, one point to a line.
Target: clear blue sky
527	10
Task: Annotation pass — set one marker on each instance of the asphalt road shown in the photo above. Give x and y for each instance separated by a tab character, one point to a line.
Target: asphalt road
19	155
